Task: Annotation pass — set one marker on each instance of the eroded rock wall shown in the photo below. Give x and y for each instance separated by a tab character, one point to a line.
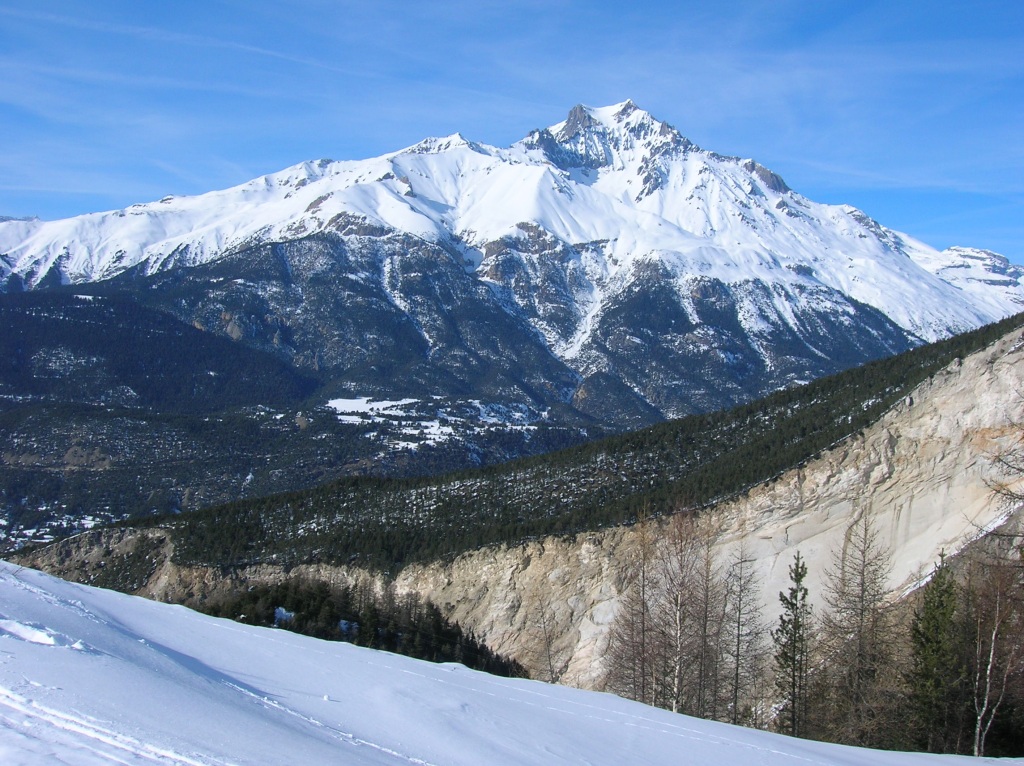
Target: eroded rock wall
923	475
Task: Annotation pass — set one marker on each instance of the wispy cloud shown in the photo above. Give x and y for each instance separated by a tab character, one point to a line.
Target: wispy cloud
197	96
76	77
150	34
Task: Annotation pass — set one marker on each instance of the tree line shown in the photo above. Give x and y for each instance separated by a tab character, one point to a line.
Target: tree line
365	616
940	672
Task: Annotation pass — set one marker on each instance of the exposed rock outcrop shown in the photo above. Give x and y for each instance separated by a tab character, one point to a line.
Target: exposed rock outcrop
923	474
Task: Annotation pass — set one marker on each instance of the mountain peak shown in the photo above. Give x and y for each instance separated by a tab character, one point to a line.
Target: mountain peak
616	117
580	119
596	137
439	145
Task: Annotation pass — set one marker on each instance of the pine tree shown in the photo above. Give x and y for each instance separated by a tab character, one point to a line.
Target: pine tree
938	676
792	651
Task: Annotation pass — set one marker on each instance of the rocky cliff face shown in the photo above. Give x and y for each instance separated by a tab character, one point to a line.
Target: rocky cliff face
923	475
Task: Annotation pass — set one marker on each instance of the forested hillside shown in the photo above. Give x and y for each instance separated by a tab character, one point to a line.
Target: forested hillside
673	466
111	409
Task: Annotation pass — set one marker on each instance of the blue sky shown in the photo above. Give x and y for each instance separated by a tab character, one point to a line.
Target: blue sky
912	111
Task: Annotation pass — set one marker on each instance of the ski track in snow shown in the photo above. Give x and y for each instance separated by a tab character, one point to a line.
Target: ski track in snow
343	736
27	716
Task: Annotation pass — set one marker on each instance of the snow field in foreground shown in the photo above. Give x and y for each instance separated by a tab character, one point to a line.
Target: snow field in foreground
89	676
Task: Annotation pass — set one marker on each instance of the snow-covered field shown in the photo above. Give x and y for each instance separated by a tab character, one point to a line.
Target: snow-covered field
94	677
430	421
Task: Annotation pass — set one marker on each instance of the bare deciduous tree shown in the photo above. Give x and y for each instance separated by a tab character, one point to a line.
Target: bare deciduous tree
994	614
543	650
689	636
746	643
677	570
858	639
631	659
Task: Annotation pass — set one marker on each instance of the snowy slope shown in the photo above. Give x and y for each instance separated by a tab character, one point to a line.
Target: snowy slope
94	677
615	179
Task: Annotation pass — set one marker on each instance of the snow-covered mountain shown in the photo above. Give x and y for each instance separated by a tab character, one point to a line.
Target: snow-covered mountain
606	262
93	677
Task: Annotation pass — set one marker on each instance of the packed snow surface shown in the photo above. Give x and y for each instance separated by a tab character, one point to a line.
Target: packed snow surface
89	676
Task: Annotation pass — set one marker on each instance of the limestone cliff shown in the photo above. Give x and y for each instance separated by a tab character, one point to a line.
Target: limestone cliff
923	474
